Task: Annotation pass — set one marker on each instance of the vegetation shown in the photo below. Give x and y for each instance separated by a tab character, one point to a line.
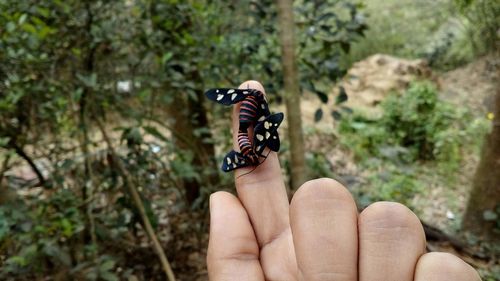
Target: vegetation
109	151
415	127
448	33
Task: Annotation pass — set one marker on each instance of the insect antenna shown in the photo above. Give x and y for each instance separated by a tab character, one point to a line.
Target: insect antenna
249	172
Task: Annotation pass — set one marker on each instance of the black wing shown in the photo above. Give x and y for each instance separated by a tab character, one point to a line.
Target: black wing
266	133
227	96
234	160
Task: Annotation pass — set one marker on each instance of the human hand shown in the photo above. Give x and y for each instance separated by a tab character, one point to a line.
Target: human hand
318	236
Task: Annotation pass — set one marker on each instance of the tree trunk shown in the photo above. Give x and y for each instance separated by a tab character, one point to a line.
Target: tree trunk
292	89
485	195
189	116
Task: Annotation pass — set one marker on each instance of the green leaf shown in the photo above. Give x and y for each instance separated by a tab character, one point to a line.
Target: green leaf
43	11
336	115
166	57
108	276
89	81
22	18
154	132
489	215
318	115
19	260
342	97
322	96
107	265
346	109
4	141
67	227
10	26
28	27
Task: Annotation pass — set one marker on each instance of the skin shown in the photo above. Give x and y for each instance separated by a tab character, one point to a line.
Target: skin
320	235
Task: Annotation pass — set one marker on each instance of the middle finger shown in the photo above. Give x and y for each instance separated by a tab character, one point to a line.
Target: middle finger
263	194
323	218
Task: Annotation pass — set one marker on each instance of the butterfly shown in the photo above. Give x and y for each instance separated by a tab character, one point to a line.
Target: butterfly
254	111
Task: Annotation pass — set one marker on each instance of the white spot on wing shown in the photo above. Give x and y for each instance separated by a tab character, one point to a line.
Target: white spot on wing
274	137
268	135
217	91
259	137
266	125
230	91
262	106
245	92
233	96
261	118
228	160
236	159
219	96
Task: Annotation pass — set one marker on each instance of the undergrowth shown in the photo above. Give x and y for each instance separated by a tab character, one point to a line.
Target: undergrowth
416	131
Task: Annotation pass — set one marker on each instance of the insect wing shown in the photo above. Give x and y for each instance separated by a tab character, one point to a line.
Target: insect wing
274	141
226	96
266	133
233	160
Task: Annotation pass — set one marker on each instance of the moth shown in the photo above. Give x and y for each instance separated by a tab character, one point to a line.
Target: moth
254	113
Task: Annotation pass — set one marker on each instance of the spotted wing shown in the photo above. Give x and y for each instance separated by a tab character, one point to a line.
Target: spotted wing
233	160
266	133
274	142
227	96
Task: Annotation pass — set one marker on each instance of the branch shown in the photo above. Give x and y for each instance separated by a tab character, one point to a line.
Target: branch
19	150
138	203
435	234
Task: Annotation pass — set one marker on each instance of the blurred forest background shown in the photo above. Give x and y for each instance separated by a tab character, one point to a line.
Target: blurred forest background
109	151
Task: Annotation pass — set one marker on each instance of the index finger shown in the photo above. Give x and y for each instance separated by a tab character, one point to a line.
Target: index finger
263	194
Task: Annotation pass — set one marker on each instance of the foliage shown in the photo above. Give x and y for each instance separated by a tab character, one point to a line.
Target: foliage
483	17
418	121
324	29
393	29
140	68
448	33
392	183
415	125
39	243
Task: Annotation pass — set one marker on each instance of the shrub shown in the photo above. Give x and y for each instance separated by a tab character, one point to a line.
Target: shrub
415	125
420	122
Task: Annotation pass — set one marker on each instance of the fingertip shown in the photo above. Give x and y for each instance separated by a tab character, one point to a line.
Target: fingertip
220	202
444	266
233	252
252	84
323	218
323	188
